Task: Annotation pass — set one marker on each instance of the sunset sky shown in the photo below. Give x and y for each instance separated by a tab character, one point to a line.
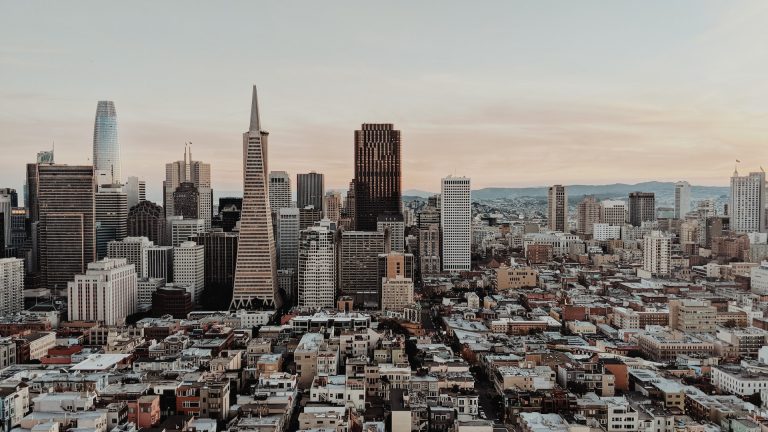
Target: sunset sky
508	93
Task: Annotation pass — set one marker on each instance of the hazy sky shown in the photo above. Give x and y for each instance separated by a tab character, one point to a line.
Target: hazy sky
509	93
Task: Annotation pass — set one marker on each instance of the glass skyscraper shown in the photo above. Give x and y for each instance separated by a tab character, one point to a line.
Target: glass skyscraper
106	148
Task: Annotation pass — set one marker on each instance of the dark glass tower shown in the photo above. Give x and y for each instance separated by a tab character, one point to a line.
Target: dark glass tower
377	174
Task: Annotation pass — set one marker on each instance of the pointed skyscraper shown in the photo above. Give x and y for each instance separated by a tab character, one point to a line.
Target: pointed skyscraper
106	147
256	271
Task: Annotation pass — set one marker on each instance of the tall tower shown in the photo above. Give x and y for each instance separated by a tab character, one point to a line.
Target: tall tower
587	215
279	190
189	171
377	174
255	272
682	199
642	207
748	201
309	190
557	205
106	147
456	222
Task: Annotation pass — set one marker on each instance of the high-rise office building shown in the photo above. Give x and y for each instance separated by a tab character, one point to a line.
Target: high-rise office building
642	207
133	250
332	206
195	172
220	254
557	208
186	201
317	268
189	268
229	212
19	231
587	215
748	201
256	272
657	254
158	262
135	190
147	219
394	223
358	262
682	199
377	184
348	211
613	212
111	217
6	205
279	190
456	223
183	229
10	192
106	293
309	216
11	286
309	190
288	233
65	198
106	147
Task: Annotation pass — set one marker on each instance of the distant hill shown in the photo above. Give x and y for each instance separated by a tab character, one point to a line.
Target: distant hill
662	190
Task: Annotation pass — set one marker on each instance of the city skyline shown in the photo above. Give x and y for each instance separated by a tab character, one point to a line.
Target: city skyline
696	98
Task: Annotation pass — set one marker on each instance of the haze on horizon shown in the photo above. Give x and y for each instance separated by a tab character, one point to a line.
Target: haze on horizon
510	93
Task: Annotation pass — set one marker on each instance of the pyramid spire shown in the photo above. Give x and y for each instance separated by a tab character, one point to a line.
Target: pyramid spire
255	122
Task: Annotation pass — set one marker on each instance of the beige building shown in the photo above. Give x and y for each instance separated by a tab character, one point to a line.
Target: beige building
396	293
688	315
508	278
664	347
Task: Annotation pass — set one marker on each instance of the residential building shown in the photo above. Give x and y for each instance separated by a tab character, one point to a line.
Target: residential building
317	268
557	208
642	207
587	215
748	202
358	261
11	286
682	199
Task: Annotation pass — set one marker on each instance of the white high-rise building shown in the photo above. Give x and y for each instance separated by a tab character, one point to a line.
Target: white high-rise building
183	229
396	227
132	249
317	268
613	212
158	262
279	190
456	223
604	232
136	190
759	279
11	286
189	268
288	238
682	199
657	254
748	200
106	293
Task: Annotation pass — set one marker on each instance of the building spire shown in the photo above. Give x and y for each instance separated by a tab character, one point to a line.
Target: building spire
255	123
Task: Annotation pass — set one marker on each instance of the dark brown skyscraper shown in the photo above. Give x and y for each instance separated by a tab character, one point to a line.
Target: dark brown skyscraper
65	201
146	219
186	201
309	190
642	207
377	174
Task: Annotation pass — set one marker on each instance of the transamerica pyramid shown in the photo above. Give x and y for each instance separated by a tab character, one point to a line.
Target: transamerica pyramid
255	270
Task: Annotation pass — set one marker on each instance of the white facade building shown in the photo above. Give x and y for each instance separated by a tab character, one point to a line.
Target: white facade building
317	268
136	190
106	293
189	268
183	229
132	249
279	190
456	223
603	231
759	279
288	238
146	287
11	286
657	253
748	200
682	199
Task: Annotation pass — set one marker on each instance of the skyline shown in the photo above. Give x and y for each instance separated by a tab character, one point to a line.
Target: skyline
680	104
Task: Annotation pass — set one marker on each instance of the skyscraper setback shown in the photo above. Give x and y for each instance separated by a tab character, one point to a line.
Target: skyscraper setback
106	147
256	271
377	180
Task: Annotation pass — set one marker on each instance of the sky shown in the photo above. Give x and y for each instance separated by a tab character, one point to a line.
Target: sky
508	93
